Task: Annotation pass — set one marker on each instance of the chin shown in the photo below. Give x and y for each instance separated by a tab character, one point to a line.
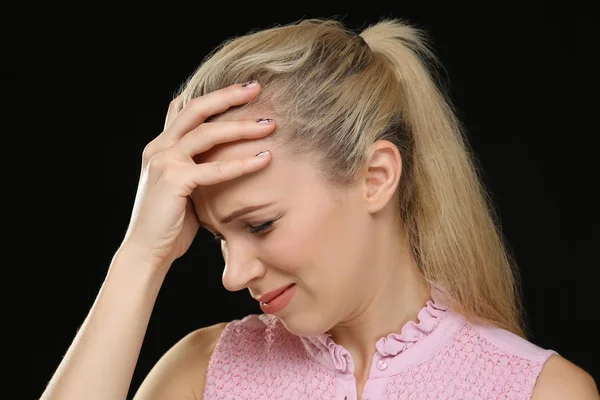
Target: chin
304	325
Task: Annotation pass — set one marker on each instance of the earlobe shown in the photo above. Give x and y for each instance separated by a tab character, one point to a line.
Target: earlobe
383	169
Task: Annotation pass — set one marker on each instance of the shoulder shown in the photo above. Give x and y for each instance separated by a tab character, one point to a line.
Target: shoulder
558	378
561	379
512	343
181	371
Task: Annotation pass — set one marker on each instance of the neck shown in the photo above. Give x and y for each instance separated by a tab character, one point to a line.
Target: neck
395	296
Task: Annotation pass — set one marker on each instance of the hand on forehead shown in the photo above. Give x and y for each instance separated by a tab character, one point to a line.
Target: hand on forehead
241	148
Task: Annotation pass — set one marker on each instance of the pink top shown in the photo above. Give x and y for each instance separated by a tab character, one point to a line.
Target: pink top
443	356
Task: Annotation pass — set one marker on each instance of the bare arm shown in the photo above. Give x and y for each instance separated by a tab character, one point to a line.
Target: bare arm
100	362
561	379
181	372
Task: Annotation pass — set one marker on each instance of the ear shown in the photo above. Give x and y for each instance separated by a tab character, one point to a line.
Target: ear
382	170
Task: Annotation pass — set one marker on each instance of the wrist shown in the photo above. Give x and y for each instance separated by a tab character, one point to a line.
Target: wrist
136	260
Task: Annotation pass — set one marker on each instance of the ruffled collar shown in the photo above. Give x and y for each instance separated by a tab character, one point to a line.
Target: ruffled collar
334	356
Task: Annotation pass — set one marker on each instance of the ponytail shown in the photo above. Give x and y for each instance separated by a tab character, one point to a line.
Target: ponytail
448	214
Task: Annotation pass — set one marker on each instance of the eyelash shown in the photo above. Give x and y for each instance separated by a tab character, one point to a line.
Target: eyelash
253	230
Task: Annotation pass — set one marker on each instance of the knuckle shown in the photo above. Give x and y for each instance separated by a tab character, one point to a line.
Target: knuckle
176	103
197	106
219	167
202	134
208	139
234	92
231	91
196	103
149	151
156	147
196	131
246	126
156	163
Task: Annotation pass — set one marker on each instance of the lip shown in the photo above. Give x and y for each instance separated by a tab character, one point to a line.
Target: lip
267	297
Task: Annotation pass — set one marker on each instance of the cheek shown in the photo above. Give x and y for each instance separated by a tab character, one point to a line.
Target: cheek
286	250
311	245
292	246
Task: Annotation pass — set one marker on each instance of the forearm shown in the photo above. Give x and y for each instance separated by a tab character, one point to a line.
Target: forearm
100	362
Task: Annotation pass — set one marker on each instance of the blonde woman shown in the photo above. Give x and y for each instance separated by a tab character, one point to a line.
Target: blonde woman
342	191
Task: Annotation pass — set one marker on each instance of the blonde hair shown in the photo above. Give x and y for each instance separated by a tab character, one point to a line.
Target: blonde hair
337	93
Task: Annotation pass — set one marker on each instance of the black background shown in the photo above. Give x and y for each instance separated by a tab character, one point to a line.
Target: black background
86	87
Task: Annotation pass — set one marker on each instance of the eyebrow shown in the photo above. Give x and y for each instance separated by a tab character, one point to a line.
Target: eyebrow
236	214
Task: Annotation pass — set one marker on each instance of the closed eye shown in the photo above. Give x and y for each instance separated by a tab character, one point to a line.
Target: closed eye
252	229
260	228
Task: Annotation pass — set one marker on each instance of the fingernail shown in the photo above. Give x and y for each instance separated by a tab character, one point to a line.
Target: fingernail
264	120
250	84
263	153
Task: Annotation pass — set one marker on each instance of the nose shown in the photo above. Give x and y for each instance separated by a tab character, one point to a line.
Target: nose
242	265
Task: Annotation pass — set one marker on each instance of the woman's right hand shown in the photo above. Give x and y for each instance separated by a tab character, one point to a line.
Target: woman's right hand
163	222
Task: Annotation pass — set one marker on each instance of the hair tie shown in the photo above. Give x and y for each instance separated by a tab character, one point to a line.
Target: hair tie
363	42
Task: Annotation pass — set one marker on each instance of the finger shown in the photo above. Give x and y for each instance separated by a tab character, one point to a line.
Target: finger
205	174
211	134
200	108
174	108
221	171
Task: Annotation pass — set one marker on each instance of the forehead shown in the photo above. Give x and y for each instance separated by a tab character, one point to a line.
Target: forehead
283	176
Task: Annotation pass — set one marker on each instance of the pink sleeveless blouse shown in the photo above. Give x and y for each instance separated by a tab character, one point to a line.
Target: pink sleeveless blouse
442	356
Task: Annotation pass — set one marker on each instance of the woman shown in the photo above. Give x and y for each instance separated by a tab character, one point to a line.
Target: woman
340	186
